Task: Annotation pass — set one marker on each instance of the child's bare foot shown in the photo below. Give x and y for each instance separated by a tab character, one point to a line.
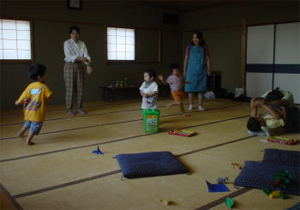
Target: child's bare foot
30	143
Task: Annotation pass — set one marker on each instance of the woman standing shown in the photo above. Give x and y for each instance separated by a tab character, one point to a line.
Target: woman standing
76	57
196	67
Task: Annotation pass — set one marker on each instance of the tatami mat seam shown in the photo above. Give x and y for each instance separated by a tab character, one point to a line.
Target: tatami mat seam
114	123
116	140
8	195
114	172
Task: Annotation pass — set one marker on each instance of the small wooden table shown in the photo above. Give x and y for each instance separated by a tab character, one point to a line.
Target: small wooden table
110	92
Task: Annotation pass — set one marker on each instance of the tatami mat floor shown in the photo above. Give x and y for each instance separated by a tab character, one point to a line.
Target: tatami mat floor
60	172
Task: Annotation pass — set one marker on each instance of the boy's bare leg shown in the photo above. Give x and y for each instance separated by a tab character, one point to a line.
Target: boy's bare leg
171	104
182	109
22	131
29	137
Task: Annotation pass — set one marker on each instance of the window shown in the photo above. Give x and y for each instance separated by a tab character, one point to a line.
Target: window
120	43
15	41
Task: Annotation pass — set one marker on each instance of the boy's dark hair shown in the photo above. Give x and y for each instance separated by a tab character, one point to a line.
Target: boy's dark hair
36	70
151	73
173	66
274	95
200	37
253	124
72	28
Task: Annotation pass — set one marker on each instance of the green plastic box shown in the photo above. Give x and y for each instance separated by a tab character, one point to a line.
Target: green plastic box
151	120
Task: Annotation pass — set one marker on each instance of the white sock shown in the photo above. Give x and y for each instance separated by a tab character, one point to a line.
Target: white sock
201	108
190	107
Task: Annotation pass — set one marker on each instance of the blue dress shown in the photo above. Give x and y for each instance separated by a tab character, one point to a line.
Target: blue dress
196	70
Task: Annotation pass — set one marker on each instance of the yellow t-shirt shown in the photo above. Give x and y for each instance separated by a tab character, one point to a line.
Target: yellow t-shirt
36	95
273	123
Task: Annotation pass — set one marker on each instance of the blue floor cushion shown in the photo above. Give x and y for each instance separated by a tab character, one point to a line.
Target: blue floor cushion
150	164
260	175
282	157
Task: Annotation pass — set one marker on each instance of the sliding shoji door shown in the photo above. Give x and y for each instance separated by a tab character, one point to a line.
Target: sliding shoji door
260	57
287	58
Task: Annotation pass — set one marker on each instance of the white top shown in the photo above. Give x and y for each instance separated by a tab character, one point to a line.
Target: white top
149	102
73	50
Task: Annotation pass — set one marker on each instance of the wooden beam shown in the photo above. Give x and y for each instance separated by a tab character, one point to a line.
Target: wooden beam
243	45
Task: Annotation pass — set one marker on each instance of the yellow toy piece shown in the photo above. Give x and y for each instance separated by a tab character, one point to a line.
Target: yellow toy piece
275	194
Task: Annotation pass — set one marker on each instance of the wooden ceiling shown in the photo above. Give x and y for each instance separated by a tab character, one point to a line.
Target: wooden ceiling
187	6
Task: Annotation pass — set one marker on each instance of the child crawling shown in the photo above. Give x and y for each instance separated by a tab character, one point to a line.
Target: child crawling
176	81
34	98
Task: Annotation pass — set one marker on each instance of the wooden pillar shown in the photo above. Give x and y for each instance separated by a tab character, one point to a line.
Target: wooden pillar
243	45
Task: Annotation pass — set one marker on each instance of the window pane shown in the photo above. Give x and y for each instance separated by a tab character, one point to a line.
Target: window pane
111	47
129	48
120	44
10	45
9	24
9	34
15	39
121	48
111	31
130	32
23	25
24	54
24	45
121	55
112	39
129	56
129	40
10	54
120	40
112	55
23	35
120	31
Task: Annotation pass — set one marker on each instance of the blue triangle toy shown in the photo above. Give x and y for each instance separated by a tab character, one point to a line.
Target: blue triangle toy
98	151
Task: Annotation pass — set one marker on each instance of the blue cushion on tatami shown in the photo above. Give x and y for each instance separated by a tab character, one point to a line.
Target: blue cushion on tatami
150	164
260	175
282	157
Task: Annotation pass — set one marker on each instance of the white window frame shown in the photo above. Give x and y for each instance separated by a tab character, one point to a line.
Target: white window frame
16	60
112	52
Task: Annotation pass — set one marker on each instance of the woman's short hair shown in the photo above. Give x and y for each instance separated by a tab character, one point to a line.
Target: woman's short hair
253	124
74	28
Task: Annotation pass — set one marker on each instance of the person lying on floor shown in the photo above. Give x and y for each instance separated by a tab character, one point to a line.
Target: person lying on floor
275	99
275	121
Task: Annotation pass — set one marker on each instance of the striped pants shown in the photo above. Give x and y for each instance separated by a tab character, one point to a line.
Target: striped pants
74	77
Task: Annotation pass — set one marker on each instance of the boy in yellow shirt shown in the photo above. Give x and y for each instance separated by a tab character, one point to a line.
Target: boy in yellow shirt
34	98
